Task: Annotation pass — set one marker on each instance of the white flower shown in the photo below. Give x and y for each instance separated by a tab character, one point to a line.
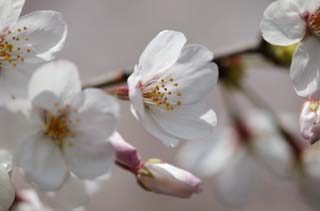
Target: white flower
24	43
65	129
7	190
290	21
236	156
163	178
168	87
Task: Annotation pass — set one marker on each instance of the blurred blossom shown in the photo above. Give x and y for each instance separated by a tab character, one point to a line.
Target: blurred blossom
163	178
62	129
126	154
24	43
28	200
75	195
287	22
310	121
168	87
7	190
236	156
309	177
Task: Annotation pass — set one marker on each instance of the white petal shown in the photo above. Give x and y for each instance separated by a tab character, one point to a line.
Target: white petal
194	82
170	180
42	162
9	12
305	68
59	77
310	6
135	95
186	122
6	160
282	23
73	194
156	130
46	100
209	156
14	83
46	32
17	123
276	155
195	55
98	113
236	181
161	53
7	190
89	155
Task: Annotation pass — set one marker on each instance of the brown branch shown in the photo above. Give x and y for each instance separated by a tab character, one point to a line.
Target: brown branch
119	77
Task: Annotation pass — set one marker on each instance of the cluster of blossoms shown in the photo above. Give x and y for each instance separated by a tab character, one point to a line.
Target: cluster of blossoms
62	135
287	22
63	139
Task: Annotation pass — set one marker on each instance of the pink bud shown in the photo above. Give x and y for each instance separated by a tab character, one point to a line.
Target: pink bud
163	178
309	121
126	154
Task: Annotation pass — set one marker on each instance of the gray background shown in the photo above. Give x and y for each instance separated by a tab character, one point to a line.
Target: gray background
110	34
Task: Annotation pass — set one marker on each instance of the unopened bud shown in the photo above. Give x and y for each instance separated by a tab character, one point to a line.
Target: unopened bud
163	178
309	121
126	154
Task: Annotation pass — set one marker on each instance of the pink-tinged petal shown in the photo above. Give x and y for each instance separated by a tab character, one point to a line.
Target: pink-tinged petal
161	53
9	12
169	180
309	121
283	23
89	155
42	162
305	68
59	77
126	154
44	31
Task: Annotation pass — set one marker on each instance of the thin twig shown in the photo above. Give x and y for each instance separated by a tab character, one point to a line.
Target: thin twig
119	77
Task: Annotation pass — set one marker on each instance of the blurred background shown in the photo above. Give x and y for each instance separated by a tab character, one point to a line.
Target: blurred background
106	35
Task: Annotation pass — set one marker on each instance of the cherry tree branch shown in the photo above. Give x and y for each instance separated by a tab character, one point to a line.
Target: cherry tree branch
118	77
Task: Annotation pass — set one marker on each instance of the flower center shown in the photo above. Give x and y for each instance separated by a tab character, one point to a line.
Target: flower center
57	127
314	22
163	93
13	48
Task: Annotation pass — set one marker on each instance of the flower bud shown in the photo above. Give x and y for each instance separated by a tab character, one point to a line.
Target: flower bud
126	154
309	121
163	178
